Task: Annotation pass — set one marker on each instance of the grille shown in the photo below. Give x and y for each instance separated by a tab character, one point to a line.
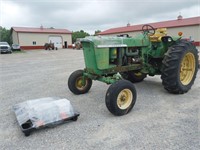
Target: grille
4	47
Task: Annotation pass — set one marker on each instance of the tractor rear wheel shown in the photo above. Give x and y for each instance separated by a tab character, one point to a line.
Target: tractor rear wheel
134	76
78	84
121	97
180	66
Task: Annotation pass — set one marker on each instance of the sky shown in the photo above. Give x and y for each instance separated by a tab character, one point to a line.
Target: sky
92	15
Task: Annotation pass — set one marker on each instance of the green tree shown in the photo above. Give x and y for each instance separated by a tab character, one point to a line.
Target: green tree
79	34
96	32
5	35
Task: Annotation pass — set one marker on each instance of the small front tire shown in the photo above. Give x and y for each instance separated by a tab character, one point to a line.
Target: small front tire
78	84
121	97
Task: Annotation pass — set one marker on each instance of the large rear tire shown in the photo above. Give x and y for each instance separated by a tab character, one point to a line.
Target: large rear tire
180	66
78	84
121	97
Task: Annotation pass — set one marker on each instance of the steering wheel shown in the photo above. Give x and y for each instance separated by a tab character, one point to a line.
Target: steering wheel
149	29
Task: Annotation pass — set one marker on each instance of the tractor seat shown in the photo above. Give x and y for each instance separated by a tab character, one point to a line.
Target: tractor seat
158	35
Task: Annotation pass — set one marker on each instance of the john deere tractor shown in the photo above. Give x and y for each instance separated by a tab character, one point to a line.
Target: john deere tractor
123	60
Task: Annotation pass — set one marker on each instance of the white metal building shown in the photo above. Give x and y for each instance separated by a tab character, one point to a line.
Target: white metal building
35	38
190	27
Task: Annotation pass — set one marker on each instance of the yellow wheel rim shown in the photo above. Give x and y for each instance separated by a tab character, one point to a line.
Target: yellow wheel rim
79	83
138	74
187	68
124	99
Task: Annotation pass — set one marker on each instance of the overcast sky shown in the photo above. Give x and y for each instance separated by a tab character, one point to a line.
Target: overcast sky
91	15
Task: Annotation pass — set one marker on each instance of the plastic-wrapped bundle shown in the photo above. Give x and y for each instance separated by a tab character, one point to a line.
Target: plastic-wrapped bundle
37	113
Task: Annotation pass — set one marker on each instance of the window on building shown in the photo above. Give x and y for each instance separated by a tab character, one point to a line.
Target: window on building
34	42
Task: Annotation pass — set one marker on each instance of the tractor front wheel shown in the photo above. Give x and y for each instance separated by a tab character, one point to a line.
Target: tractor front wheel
78	84
180	66
121	97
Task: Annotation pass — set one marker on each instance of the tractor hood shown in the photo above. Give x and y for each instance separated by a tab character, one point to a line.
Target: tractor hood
108	41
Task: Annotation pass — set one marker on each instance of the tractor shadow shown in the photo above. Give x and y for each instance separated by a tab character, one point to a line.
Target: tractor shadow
150	84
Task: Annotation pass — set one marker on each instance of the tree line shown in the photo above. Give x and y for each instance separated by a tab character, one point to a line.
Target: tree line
5	35
81	34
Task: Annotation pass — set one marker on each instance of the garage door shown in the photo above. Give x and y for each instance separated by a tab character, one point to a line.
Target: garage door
57	40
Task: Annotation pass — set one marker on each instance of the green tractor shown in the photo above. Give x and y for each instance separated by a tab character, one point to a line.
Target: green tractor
123	60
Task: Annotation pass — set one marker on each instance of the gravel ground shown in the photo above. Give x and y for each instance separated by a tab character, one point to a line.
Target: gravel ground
159	120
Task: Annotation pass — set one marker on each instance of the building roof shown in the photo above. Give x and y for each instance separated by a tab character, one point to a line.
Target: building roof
40	30
166	24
